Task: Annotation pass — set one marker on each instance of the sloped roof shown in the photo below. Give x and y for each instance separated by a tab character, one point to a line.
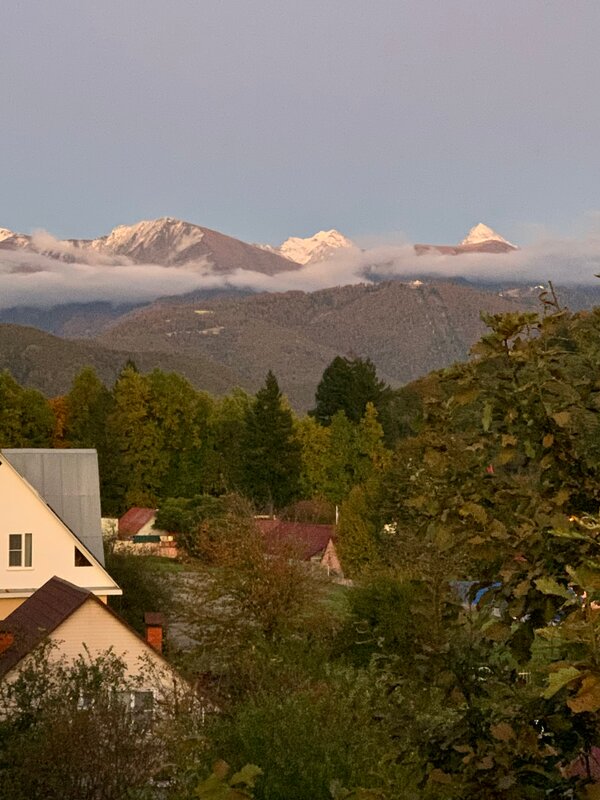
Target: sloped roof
68	481
43	612
134	520
38	616
307	539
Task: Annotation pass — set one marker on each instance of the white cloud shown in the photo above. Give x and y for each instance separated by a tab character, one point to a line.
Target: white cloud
39	280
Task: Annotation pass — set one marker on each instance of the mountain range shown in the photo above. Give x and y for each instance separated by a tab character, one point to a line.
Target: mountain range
166	241
480	239
228	335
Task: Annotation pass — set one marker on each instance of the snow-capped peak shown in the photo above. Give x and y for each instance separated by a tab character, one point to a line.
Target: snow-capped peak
314	248
149	231
481	233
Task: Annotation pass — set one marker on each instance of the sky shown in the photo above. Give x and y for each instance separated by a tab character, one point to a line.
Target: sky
265	119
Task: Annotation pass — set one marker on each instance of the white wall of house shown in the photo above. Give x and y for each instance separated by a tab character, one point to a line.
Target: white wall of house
96	629
23	511
148	528
92	629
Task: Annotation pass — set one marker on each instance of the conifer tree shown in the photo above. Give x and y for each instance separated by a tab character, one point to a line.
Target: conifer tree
347	385
271	455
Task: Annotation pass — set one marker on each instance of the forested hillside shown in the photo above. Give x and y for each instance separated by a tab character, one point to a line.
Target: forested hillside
223	341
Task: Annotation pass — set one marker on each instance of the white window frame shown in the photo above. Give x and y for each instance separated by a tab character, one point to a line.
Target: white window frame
24	549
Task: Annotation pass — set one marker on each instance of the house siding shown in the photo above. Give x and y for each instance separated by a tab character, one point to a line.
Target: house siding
91	627
22	510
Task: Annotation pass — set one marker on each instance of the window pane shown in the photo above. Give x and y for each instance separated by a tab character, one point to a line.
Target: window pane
28	549
15	545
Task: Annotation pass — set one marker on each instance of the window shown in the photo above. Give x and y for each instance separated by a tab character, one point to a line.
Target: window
80	559
20	549
139	702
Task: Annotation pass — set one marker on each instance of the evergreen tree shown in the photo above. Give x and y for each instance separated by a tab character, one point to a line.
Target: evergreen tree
347	385
271	455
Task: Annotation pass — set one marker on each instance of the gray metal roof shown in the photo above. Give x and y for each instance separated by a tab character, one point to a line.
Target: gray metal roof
69	482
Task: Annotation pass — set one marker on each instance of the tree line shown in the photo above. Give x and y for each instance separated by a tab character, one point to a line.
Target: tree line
157	437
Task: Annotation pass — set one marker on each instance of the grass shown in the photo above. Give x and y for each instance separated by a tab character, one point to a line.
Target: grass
160	564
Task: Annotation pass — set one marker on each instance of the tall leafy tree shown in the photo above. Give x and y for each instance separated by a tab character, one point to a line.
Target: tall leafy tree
141	462
26	419
180	413
271	456
88	404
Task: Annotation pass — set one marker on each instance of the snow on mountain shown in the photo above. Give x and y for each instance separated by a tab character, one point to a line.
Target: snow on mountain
480	239
315	248
481	233
167	242
164	240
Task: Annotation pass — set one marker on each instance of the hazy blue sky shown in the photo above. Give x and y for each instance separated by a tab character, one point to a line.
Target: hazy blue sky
270	118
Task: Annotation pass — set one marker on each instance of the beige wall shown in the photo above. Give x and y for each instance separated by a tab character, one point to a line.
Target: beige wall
330	559
8	605
94	627
22	510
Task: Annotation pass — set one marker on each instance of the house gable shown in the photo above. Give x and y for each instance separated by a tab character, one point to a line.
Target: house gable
76	622
35	545
68	480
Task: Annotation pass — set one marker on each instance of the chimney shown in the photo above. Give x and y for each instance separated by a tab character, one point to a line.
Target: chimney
6	640
155	623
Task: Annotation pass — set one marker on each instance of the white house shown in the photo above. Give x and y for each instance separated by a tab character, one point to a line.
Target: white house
77	622
35	543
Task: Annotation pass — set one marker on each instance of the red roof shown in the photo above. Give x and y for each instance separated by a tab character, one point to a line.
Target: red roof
307	538
134	520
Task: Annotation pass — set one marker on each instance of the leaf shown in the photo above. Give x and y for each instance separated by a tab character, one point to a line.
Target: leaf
486	418
548	440
487	762
474	510
588	696
561	497
502	731
562	418
506	455
529	449
246	776
437	776
508	440
588	577
559	679
550	586
592	792
464	398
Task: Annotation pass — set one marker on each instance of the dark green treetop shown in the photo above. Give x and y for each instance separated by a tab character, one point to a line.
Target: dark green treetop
347	385
271	454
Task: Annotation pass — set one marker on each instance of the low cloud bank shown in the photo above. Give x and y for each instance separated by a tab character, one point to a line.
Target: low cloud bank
41	280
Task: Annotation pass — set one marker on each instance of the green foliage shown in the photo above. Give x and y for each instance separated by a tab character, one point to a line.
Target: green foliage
308	738
358	533
144	588
57	714
26	419
347	385
271	456
220	786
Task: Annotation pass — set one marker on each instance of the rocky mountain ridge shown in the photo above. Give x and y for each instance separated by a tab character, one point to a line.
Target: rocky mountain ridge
480	239
166	241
